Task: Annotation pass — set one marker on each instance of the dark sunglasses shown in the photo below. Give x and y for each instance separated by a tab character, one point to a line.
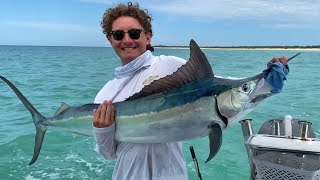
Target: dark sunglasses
119	34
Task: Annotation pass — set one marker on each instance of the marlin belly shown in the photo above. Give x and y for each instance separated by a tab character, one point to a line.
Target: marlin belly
79	125
73	119
179	123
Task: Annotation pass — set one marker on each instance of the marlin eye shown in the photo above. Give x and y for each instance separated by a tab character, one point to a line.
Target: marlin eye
245	87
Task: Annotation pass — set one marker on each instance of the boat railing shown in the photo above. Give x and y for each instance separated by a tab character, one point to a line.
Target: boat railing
283	149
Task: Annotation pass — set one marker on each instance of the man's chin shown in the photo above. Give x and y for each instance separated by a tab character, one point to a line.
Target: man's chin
128	58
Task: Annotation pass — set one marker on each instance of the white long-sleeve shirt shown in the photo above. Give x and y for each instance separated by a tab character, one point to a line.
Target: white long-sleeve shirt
163	161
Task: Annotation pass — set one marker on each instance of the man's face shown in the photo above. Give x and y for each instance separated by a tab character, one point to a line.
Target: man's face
128	48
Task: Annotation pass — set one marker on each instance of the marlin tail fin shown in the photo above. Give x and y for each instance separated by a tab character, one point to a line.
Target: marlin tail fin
38	120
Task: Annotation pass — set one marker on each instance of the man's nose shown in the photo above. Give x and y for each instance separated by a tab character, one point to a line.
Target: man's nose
127	37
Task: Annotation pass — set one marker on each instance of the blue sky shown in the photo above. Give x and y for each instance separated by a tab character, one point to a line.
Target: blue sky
175	22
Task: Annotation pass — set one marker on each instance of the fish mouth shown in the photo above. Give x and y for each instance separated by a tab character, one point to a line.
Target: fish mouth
260	97
262	91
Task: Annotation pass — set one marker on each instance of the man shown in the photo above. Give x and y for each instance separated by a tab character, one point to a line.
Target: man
129	31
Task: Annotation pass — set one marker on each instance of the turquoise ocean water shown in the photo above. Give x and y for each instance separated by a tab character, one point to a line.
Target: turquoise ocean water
50	75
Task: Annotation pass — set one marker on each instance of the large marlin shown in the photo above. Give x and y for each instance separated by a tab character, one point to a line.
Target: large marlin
190	103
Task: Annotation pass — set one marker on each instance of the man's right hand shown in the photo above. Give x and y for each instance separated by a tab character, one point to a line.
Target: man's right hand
104	116
282	59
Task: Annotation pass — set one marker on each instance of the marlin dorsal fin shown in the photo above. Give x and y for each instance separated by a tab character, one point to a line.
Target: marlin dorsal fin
62	108
196	68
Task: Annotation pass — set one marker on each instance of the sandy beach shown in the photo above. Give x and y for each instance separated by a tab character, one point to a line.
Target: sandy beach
277	49
242	48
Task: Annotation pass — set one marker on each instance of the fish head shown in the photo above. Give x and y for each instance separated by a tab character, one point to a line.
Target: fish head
238	97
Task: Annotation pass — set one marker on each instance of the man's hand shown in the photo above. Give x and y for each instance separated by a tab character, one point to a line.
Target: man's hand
104	116
282	59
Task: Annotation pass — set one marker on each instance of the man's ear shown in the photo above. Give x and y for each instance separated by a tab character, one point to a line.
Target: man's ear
149	35
109	39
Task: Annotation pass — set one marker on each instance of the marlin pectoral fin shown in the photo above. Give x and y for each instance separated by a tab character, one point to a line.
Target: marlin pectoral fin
41	131
215	138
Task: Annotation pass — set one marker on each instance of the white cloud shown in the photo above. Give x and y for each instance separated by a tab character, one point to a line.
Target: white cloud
266	10
51	26
291	26
273	10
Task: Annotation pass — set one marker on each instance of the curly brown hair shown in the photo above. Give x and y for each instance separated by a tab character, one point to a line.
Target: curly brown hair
132	10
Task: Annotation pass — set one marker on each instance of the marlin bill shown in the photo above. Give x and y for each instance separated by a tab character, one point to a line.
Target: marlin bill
190	103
